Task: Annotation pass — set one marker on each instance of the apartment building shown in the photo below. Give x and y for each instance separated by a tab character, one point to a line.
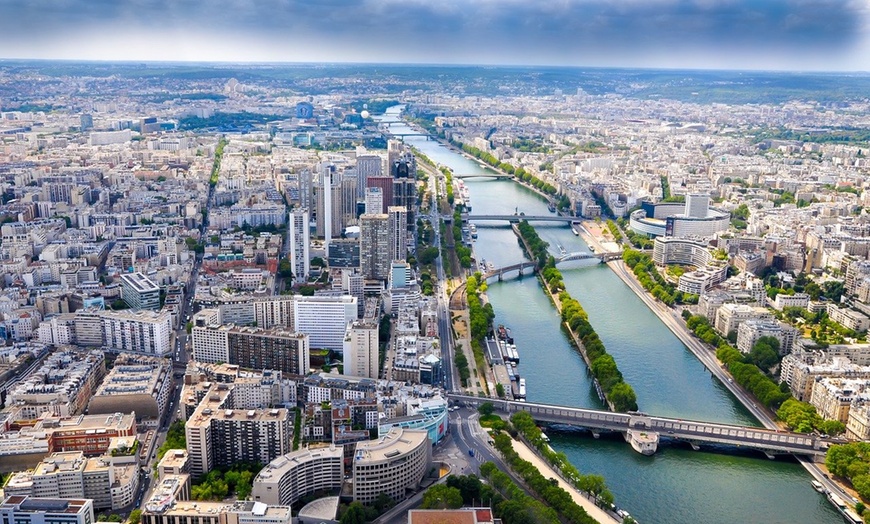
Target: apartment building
140	292
361	350
295	475
137	383
20	509
393	464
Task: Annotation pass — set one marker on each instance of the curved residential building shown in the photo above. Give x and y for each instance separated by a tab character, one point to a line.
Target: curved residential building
683	251
290	477
695	217
393	464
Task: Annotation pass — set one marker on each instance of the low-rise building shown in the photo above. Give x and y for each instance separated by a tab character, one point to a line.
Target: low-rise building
849	318
782	301
20	509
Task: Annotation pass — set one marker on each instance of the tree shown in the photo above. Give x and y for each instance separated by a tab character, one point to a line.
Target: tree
354	514
765	352
623	397
499	390
486	409
441	496
135	516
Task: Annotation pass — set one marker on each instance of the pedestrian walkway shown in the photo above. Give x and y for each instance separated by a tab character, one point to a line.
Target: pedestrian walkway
526	453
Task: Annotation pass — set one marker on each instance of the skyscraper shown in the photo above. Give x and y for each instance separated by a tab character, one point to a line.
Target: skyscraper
361	349
386	185
374	200
398	224
328	204
299	242
367	166
375	246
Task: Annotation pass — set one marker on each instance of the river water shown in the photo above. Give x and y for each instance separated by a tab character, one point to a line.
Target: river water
676	485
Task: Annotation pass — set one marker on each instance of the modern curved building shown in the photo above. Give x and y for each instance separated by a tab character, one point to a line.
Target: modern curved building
695	217
291	477
690	252
394	464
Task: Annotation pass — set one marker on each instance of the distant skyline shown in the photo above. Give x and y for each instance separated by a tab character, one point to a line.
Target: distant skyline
804	35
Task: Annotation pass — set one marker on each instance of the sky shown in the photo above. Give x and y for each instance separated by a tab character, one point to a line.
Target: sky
804	35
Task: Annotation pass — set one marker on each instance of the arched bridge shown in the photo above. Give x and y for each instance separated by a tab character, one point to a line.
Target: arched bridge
768	441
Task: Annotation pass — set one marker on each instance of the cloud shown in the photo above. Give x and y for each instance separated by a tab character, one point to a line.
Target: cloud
773	34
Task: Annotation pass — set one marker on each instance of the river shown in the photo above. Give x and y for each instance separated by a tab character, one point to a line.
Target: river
676	485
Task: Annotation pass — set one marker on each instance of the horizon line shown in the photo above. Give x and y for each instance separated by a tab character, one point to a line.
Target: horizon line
425	64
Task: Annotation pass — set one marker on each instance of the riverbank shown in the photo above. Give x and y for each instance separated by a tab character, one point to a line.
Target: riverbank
528	454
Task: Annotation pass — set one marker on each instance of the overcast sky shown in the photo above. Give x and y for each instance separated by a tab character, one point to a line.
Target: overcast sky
734	34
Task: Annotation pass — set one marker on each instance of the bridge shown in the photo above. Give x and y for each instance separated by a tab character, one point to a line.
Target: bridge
482	175
769	442
517	218
523	266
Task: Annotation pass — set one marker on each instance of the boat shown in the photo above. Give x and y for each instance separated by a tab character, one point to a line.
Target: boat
473	229
818	486
551	208
574	230
521	391
644	442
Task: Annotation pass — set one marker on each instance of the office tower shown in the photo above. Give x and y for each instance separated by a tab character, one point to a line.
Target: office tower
405	194
374	200
697	205
306	189
395	148
348	215
300	240
361	350
328	205
374	251
86	122
139	292
367	166
324	319
398	224
385	183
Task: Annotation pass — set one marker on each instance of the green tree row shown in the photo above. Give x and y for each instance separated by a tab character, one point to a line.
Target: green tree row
852	462
620	394
555	497
518	172
216	166
798	416
217	484
592	484
538	247
175	439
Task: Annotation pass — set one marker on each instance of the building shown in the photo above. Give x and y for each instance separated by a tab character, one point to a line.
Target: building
361	349
273	348
682	251
398	224
833	397
344	253
730	316
374	200
290	477
164	507
61	386
680	219
146	332
801	372
368	166
219	435
254	348
324	319
174	462
394	464
91	434
137	383
17	509
849	318
782	301
375	246
750	331
139	292
274	311
453	516
300	240
385	184
70	475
